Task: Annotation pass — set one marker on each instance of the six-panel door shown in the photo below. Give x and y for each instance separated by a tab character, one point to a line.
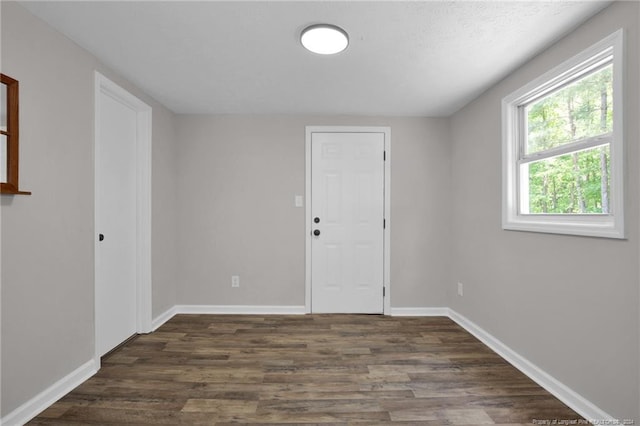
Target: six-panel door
347	197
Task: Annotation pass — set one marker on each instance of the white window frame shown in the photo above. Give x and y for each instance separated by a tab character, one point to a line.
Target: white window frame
513	151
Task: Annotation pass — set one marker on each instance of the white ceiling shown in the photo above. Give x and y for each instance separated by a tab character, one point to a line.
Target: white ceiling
426	58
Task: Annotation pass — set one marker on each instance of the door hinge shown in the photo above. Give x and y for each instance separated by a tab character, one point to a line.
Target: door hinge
384	223
384	155
384	291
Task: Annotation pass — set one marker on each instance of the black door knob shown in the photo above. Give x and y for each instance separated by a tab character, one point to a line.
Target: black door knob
316	232
316	219
100	237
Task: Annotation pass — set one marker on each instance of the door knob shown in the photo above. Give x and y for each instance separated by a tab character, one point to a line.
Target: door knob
316	232
100	237
316	219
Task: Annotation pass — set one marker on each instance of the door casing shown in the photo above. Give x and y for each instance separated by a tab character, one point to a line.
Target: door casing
309	130
105	87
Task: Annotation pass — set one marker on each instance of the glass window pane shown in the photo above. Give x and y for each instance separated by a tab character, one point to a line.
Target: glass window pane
3	107
579	110
3	158
576	183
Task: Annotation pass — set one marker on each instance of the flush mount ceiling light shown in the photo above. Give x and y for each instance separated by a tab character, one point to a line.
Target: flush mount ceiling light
324	39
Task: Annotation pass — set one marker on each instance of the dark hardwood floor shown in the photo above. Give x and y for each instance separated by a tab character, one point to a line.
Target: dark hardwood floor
312	369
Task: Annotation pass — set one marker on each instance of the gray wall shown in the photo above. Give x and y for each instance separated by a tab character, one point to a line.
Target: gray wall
568	304
164	220
238	176
223	189
48	237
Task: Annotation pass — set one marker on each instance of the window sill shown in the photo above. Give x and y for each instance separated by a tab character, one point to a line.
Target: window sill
12	191
602	226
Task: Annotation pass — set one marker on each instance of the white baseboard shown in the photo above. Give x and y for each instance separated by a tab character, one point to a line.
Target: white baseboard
419	312
578	403
46	398
240	309
575	401
163	317
226	309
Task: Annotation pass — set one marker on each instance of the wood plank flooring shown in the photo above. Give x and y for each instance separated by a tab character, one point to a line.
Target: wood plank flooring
311	369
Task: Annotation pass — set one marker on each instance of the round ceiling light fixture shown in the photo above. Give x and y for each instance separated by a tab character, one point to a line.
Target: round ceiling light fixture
324	39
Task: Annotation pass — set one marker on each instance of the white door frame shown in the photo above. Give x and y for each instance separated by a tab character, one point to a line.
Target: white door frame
387	205
104	86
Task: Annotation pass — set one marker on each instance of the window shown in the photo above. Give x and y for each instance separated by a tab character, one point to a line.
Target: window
563	147
9	150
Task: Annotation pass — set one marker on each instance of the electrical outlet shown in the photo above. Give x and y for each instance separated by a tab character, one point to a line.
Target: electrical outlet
235	281
460	289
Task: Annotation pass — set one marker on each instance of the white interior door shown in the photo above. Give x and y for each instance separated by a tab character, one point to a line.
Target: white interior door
347	209
116	223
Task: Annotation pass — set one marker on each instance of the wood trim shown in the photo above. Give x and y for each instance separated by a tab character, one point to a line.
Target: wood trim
13	132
